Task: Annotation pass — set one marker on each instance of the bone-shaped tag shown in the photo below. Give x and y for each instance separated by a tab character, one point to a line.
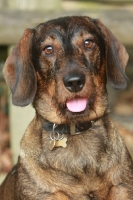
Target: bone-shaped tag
61	143
57	143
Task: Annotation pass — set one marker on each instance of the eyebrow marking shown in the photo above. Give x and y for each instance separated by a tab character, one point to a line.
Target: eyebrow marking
52	35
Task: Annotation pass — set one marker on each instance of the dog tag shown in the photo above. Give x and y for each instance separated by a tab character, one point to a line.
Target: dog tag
61	143
52	144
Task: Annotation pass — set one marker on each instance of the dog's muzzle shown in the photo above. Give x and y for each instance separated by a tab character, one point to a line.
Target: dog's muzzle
74	82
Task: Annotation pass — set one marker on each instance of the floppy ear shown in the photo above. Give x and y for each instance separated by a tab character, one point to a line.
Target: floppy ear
19	71
116	58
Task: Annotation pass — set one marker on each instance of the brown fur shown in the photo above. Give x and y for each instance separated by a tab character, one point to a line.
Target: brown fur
95	165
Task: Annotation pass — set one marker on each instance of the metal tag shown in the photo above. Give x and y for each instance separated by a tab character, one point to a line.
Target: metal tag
61	143
52	144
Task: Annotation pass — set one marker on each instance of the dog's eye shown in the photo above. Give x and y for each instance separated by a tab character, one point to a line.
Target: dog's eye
89	44
48	50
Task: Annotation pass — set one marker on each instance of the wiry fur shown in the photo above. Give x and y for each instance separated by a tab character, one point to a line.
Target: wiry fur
95	165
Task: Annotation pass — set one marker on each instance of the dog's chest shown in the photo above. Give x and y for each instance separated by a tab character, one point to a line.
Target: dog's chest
72	167
74	183
82	153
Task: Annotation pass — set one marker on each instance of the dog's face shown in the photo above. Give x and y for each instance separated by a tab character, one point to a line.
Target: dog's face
69	62
63	66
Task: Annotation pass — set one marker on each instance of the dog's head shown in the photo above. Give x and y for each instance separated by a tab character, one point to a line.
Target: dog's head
63	65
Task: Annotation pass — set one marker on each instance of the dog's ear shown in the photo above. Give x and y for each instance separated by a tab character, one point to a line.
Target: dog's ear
116	58
19	71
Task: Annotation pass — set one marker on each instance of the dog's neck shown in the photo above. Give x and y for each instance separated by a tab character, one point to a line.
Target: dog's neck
71	128
57	132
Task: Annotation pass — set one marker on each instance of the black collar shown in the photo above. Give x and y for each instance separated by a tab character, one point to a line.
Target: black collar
72	129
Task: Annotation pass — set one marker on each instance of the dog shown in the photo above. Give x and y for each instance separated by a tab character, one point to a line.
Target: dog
71	150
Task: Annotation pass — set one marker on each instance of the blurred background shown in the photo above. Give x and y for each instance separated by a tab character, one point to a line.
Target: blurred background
15	17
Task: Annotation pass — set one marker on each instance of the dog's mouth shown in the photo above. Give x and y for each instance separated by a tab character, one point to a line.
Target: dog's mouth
77	104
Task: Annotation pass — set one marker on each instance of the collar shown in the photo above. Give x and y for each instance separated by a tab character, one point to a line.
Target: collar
71	128
57	132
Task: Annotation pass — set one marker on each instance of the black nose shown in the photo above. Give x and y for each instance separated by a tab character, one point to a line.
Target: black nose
74	82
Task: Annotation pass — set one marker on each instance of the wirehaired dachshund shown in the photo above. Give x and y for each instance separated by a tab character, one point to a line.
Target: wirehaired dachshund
71	150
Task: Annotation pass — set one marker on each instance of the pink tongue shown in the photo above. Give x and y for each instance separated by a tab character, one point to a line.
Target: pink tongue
76	105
